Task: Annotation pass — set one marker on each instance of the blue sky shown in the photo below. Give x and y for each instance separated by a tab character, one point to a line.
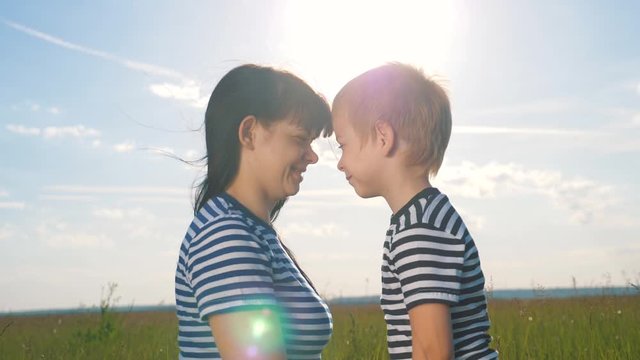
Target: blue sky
543	161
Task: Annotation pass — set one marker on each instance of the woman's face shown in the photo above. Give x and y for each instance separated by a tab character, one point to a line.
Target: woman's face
283	152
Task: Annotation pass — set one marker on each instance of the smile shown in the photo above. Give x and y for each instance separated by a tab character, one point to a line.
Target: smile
298	172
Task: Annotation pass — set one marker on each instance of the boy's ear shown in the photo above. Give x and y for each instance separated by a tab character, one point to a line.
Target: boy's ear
246	131
385	136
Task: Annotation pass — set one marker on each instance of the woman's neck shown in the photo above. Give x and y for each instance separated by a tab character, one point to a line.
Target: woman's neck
251	198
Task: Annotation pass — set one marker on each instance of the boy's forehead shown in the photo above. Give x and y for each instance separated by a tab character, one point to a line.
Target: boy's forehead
339	120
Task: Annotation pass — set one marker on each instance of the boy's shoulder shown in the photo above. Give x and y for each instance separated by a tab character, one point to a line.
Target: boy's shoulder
423	208
430	210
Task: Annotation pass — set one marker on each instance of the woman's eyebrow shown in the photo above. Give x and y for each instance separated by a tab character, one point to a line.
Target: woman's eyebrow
305	133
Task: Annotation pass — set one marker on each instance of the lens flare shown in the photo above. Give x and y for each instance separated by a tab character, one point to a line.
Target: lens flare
252	352
259	328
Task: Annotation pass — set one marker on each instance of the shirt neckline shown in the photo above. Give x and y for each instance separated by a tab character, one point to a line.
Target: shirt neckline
426	192
237	204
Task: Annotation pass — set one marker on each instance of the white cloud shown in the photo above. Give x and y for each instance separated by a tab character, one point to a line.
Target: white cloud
49	132
162	150
323	193
496	130
585	199
81	198
189	92
327	198
191	155
78	131
22	130
16	205
159	199
79	240
326	149
124	147
316	230
543	106
113	214
117	190
120	214
130	194
57	234
473	222
623	118
128	63
35	107
7	231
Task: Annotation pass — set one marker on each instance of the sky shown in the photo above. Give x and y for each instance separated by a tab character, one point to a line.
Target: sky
97	98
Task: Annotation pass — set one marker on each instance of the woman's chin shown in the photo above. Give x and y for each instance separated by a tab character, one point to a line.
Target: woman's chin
292	190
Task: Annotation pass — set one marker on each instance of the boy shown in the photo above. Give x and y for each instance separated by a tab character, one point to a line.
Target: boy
393	126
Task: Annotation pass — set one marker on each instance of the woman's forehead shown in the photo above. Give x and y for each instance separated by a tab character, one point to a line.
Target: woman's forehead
297	125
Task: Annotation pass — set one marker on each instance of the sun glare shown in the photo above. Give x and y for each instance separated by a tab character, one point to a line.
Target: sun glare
330	42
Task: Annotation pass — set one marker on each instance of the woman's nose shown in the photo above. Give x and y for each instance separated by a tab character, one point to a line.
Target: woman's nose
311	155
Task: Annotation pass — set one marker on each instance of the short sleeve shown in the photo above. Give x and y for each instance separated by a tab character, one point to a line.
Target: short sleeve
428	263
228	269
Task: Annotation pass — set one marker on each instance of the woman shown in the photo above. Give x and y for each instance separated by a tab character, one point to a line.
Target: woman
239	292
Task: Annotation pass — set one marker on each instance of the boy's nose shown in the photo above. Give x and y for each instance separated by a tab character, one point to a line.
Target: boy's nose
340	167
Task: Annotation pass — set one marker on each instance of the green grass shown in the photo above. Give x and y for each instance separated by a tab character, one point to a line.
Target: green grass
583	328
578	328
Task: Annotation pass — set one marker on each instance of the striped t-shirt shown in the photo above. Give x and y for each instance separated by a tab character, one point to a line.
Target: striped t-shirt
430	257
230	260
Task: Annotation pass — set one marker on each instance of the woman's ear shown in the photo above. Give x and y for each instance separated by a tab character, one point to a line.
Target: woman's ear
385	137
246	131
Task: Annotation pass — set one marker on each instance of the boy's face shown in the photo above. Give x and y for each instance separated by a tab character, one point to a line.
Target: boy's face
358	158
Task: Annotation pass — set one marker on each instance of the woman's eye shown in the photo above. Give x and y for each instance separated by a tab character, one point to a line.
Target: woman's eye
302	140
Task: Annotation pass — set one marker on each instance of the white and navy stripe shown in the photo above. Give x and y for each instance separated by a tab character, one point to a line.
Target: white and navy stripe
430	257
230	260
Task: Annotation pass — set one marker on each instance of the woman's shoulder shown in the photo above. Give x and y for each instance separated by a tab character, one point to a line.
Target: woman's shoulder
214	213
219	210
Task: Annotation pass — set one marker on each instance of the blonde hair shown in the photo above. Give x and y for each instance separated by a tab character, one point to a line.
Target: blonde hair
416	107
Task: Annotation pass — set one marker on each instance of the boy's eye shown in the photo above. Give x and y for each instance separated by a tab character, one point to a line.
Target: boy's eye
336	148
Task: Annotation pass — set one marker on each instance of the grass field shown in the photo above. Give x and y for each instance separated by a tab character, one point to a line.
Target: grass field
576	328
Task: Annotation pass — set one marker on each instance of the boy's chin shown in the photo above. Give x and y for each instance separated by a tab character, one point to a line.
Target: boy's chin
364	193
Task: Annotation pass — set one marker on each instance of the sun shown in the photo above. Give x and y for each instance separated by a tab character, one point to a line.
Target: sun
330	42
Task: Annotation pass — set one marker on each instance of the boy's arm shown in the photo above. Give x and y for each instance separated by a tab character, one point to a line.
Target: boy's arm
431	332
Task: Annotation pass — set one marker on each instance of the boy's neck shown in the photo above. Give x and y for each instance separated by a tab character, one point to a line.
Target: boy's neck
403	189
